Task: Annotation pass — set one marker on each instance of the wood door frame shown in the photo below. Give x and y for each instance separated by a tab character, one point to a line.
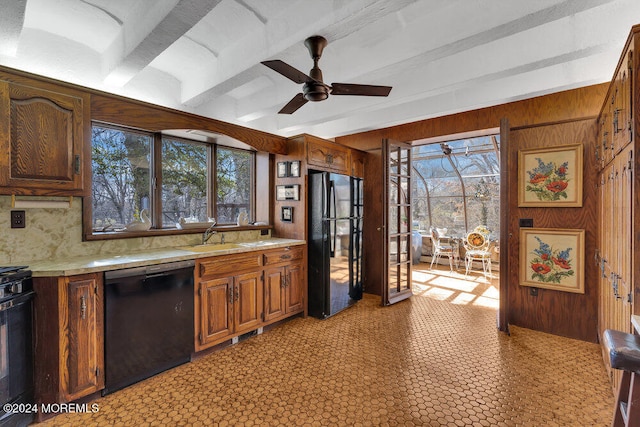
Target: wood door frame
503	308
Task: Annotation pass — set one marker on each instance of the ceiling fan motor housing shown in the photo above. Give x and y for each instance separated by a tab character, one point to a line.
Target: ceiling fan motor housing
314	91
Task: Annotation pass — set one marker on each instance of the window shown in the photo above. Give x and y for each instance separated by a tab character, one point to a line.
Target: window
121	176
195	180
184	181
234	175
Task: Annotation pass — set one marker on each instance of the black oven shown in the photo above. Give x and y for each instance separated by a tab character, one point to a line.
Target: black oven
16	346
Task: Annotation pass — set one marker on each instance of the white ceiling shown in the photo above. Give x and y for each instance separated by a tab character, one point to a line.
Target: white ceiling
440	56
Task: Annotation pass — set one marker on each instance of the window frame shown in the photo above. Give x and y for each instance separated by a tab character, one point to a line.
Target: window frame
155	191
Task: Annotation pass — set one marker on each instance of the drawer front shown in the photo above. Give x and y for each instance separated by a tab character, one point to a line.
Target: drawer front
229	264
282	255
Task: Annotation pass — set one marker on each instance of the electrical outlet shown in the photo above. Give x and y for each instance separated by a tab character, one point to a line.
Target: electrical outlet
17	219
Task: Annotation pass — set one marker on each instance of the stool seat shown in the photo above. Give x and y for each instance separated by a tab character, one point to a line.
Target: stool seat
624	354
623	349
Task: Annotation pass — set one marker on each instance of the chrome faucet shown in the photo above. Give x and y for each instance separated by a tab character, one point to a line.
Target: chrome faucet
208	233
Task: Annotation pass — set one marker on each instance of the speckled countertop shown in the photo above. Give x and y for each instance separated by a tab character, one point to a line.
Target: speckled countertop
97	263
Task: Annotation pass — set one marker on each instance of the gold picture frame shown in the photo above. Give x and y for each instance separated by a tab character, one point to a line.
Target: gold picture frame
552	258
550	176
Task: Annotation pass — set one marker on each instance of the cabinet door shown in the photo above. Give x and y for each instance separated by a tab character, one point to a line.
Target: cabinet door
274	304
248	303
85	347
216	314
295	287
328	155
42	134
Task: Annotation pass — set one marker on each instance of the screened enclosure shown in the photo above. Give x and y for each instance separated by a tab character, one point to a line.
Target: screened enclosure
456	185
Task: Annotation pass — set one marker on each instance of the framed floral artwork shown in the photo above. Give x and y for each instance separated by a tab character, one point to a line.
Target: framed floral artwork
552	258
550	177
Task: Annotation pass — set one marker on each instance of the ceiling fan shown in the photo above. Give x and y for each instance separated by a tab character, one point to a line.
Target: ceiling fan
314	89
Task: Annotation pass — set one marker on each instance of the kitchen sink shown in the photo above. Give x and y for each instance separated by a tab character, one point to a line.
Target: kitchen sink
211	247
255	244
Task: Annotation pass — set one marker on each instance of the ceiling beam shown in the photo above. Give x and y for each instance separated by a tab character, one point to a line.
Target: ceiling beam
11	23
175	24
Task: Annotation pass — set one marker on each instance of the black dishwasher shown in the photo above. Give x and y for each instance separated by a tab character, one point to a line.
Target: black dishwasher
148	321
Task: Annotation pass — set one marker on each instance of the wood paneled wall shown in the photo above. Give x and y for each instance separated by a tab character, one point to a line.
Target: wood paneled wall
297	228
556	107
562	313
373	237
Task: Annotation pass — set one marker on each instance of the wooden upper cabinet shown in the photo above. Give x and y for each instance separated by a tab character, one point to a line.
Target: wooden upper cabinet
42	140
357	163
326	155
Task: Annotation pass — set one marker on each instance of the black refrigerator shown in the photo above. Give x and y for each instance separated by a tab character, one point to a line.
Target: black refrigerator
335	242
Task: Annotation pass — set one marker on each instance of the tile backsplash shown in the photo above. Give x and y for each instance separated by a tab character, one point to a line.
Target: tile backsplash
54	233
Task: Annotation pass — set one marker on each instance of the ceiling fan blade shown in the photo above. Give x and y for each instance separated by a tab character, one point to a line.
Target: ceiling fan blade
287	70
354	89
295	103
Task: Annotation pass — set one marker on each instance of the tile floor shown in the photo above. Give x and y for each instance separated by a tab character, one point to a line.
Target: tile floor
433	360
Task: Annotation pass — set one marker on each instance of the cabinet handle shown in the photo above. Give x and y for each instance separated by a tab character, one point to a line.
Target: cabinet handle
286	256
83	307
76	164
230	296
237	293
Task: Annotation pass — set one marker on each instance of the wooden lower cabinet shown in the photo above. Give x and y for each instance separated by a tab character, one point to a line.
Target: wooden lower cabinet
228	306
284	292
265	287
69	345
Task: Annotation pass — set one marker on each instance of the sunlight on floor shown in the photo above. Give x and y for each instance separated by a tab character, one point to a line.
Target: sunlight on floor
455	287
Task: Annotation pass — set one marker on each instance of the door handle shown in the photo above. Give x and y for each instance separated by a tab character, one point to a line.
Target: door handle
83	307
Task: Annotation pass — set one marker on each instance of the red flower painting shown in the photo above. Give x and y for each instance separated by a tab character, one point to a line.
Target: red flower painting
557	186
541	268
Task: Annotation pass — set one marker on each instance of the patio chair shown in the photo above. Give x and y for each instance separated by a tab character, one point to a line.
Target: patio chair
443	247
476	245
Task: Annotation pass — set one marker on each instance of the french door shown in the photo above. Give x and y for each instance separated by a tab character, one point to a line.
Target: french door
397	221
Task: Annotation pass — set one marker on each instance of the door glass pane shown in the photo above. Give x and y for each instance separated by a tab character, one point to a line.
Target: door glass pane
404	218
403	273
404	162
393	250
393	191
393	279
393	161
393	219
404	248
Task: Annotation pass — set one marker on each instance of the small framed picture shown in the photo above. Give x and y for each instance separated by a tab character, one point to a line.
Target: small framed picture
288	192
550	177
552	258
294	168
282	169
286	215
